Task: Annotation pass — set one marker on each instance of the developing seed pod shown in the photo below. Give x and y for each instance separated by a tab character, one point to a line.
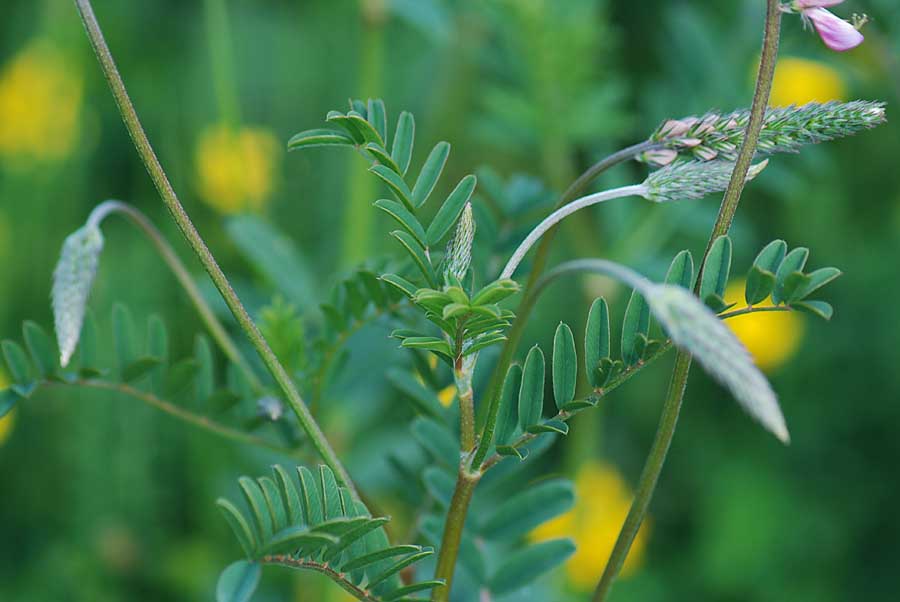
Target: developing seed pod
459	250
72	282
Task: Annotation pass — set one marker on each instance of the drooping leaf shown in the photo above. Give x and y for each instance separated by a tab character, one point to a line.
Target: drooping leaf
565	365
17	362
239	525
417	253
817	280
531	393
821	309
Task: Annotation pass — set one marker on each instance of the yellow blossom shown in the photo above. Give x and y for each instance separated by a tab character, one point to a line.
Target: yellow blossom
40	99
6	423
447	395
771	337
602	502
799	81
236	167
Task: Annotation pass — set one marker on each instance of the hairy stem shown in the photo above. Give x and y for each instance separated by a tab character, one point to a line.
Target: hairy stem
164	187
672	407
453	529
165	250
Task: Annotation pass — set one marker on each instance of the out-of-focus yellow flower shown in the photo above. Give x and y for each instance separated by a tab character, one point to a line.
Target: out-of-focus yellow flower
603	500
447	395
772	337
40	99
799	81
6	423
236	167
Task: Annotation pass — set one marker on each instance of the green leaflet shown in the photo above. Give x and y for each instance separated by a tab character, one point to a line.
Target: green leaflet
565	365
635	326
531	393
524	566
508	415
596	340
402	149
431	172
450	210
319	137
793	262
681	270
238	582
527	509
715	273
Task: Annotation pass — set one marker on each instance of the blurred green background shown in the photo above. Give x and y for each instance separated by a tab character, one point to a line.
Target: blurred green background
106	499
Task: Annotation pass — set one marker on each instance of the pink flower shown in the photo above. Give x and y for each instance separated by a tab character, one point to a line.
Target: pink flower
804	4
838	34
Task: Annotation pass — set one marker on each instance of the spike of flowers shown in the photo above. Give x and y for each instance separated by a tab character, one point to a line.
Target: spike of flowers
785	130
72	282
459	249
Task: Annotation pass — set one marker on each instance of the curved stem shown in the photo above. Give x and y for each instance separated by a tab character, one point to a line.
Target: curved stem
164	187
177	412
540	260
669	418
560	214
165	250
339	578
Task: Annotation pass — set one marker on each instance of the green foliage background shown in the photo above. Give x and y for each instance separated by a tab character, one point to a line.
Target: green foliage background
104	499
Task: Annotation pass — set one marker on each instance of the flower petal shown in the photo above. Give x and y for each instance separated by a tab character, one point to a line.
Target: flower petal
838	34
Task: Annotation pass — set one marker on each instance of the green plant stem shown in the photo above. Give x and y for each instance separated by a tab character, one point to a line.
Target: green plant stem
164	187
524	310
165	250
453	529
649	476
672	407
177	412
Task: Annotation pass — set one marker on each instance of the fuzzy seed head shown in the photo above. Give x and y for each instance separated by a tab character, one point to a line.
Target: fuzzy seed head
692	180
72	282
696	329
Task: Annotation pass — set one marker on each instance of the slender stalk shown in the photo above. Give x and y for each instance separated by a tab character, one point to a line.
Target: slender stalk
453	529
649	475
540	260
177	412
165	250
164	187
560	214
672	407
463	378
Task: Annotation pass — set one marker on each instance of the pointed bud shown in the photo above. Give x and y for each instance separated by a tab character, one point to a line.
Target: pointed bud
72	282
459	250
692	180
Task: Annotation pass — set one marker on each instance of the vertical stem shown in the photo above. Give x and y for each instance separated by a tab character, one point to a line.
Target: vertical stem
453	529
669	418
463	376
164	187
649	476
